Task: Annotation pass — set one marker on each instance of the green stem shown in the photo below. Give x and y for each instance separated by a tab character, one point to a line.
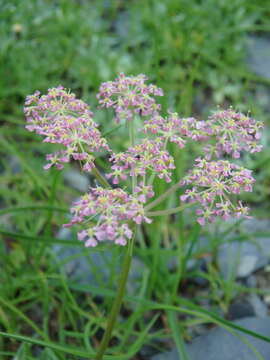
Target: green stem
163	196
118	300
101	179
132	143
109	132
169	211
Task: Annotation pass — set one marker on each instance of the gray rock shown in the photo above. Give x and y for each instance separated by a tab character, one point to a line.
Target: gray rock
15	164
259	307
251	282
219	344
262	98
259	55
240	309
192	264
75	264
256	225
239	258
267	299
243	258
236	258
122	25
76	180
200	280
90	266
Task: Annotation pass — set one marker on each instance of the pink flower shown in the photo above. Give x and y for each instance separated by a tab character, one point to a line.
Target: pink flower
201	221
143	192
129	95
121	241
144	158
110	214
91	242
233	133
213	182
115	211
82	235
176	129
63	119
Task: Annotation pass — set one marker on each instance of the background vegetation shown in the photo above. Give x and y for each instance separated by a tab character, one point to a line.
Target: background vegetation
197	52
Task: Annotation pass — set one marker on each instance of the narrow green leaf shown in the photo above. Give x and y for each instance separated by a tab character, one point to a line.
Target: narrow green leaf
177	335
23	352
62	348
16	311
15	209
51	345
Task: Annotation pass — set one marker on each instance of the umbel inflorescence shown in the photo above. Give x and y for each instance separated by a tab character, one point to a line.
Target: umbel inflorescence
111	209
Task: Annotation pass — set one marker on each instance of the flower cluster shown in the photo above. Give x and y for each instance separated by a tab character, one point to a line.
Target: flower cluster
212	183
114	210
176	129
110	214
63	119
147	156
129	95
233	133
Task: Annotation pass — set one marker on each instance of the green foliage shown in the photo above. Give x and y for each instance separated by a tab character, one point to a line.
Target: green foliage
195	51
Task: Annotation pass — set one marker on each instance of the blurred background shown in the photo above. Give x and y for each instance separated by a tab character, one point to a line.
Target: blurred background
203	54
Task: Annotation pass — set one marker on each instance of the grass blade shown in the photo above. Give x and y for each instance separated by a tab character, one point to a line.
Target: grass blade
177	335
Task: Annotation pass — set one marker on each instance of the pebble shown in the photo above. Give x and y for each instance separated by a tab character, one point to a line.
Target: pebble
267	299
245	257
247	265
251	281
242	258
91	267
251	305
259	307
76	180
219	344
259	55
240	309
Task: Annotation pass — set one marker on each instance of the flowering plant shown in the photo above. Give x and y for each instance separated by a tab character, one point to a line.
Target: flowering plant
112	210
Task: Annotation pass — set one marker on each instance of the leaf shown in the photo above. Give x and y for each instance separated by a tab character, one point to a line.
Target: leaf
23	352
177	335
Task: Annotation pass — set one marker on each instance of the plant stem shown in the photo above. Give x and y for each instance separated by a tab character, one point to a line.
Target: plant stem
132	143
101	179
163	196
169	211
118	299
